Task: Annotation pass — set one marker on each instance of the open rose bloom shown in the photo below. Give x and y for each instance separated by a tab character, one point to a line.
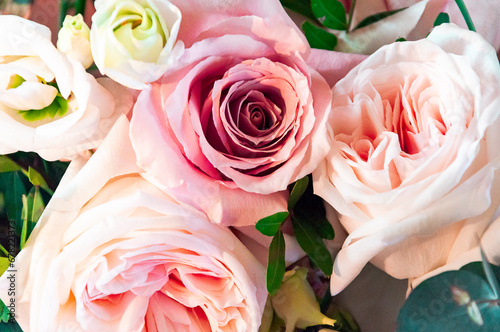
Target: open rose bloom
48	103
414	132
235	121
116	254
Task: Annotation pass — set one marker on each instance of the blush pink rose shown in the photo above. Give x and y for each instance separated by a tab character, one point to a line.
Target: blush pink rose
414	157
116	254
235	121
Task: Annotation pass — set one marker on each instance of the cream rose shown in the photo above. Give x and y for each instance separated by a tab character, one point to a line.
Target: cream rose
116	254
48	103
74	40
415	136
134	41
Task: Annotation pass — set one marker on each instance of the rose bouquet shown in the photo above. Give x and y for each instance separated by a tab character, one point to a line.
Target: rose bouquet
249	166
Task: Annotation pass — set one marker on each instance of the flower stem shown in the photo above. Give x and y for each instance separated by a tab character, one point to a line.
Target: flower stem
466	15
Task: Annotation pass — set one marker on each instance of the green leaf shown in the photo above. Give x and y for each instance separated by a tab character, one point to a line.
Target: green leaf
4	264
319	38
400	39
271	224
302	7
451	301
330	13
10	327
4	313
377	17
442	18
8	165
276	263
37	180
33	207
310	241
490	276
298	190
15	189
310	208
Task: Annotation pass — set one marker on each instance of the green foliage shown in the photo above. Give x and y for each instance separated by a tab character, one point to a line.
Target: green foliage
5	325
442	18
276	263
8	165
270	225
302	7
463	300
33	206
377	17
319	38
297	191
310	227
15	188
330	13
312	243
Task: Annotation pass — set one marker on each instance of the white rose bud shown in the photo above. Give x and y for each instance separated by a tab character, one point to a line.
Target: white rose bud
134	41
74	39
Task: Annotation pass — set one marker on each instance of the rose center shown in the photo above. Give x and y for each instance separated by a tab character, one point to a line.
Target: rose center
257	118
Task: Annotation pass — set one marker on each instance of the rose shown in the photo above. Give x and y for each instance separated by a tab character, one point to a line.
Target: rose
241	116
414	133
48	103
116	254
134	41
74	39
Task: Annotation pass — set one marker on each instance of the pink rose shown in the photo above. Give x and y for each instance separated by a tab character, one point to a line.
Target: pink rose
414	132
48	103
116	254
240	116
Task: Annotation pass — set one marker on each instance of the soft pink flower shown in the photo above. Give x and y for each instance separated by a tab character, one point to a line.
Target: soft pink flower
415	136
113	253
235	121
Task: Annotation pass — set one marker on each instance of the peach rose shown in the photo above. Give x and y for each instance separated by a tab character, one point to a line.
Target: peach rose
116	254
415	136
48	103
241	116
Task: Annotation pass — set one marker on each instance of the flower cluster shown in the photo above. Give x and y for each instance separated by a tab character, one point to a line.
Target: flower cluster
203	116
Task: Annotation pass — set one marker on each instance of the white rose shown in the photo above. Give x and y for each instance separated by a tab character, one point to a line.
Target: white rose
134	41
117	254
413	168
48	103
74	39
